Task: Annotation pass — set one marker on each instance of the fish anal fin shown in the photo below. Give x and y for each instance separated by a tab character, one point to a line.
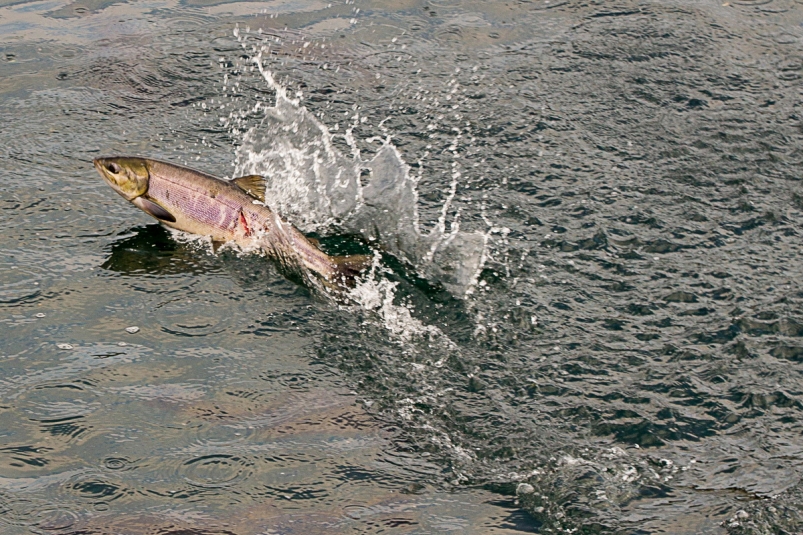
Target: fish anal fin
216	244
150	207
253	185
314	241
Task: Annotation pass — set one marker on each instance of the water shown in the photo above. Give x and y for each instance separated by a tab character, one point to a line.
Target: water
585	311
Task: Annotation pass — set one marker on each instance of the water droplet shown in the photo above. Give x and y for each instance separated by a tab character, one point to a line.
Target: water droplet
40	315
64	346
132	330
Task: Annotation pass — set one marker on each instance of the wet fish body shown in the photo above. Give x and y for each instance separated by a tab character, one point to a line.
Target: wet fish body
224	210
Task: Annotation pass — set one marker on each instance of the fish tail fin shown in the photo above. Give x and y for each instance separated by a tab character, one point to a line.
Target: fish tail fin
346	268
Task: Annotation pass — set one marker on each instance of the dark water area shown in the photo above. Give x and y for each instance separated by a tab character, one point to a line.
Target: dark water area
586	312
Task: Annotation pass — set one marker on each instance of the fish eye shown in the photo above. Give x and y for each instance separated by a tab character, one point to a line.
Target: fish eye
113	167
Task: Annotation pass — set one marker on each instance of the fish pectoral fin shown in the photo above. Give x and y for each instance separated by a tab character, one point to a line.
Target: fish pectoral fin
314	241
216	245
150	207
253	185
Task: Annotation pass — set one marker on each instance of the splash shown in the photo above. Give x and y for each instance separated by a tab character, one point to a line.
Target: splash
319	189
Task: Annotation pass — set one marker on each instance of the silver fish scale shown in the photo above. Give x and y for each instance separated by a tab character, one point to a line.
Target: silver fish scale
221	213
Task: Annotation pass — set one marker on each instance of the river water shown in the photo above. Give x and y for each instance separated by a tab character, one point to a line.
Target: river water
584	314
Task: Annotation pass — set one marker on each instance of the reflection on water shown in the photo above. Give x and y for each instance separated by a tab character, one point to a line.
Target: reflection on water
627	358
152	250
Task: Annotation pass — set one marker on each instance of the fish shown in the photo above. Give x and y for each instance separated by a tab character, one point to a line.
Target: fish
227	211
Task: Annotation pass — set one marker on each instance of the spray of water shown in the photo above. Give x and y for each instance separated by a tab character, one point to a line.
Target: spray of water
318	188
321	189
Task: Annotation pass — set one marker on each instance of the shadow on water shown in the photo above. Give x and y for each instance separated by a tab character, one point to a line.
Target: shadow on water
428	299
399	271
151	250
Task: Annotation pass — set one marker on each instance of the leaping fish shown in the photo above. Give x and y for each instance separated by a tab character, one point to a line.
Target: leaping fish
224	210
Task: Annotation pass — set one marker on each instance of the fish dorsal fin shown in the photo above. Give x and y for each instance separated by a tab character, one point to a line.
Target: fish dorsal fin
253	185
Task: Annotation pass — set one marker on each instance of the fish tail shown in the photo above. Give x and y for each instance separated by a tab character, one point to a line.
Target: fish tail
346	268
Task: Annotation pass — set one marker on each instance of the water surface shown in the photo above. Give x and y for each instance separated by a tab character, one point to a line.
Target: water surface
585	315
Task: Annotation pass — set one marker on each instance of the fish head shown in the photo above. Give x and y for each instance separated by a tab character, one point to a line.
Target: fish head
126	175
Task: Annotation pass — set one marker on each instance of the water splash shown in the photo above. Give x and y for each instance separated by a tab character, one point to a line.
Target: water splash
319	189
307	180
323	189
